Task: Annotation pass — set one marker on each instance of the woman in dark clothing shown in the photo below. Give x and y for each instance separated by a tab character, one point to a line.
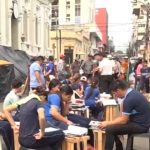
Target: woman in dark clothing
32	124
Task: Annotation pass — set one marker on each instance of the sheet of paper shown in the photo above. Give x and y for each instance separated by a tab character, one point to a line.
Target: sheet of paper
76	130
107	102
50	129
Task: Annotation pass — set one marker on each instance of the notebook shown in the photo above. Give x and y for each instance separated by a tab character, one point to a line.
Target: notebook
76	130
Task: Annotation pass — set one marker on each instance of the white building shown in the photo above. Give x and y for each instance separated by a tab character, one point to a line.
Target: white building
78	15
25	25
140	27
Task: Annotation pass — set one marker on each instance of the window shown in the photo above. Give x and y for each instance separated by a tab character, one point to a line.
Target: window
77	10
141	25
36	31
141	17
77	1
67	19
141	33
25	25
67	15
68	3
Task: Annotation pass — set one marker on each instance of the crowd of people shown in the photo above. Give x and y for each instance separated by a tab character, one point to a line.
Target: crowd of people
53	86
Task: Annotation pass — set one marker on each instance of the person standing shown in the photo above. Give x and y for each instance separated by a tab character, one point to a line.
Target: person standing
134	118
75	67
87	66
106	73
36	73
145	75
61	66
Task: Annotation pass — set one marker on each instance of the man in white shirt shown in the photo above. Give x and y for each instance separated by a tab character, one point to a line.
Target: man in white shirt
106	69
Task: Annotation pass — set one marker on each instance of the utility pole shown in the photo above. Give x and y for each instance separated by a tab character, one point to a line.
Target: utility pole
147	28
57	44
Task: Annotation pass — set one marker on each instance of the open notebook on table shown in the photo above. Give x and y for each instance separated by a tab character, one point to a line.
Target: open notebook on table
72	130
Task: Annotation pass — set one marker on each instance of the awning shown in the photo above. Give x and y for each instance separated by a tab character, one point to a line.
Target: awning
4	62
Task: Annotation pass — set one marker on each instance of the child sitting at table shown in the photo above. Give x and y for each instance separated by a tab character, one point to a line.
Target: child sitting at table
91	95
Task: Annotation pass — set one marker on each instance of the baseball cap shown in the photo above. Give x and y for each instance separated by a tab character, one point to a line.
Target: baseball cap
62	56
83	78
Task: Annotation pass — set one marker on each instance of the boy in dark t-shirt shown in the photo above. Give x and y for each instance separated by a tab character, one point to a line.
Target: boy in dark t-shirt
32	125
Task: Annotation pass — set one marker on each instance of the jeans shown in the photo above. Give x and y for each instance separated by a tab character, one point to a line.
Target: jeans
113	131
51	140
105	82
7	134
81	121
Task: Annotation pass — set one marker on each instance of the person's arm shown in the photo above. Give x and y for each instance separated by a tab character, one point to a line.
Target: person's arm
65	108
7	112
41	117
38	77
58	116
120	120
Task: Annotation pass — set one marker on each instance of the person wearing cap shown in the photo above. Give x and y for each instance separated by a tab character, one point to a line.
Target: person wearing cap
87	66
83	83
61	66
32	123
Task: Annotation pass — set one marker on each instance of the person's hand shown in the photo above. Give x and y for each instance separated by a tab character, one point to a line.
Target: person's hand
2	116
69	122
104	124
15	129
39	135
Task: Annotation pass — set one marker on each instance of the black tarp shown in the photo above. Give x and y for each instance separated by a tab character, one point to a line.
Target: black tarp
6	77
19	62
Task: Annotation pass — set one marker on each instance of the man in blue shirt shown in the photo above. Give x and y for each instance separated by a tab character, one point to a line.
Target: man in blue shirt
134	118
36	73
50	68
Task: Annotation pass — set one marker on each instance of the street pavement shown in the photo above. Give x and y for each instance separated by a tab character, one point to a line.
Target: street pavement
140	143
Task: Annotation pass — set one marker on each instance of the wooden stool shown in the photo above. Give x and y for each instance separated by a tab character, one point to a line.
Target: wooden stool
99	139
111	112
69	142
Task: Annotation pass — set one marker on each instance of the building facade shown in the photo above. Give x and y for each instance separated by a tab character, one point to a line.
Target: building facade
140	36
71	23
25	25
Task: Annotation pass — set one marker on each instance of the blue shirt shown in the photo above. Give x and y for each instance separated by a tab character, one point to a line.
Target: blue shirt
50	66
53	101
33	81
94	95
137	108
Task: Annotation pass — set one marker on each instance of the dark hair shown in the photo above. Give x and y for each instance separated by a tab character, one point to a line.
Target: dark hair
51	58
93	86
118	84
40	58
66	89
97	54
145	61
53	83
16	83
